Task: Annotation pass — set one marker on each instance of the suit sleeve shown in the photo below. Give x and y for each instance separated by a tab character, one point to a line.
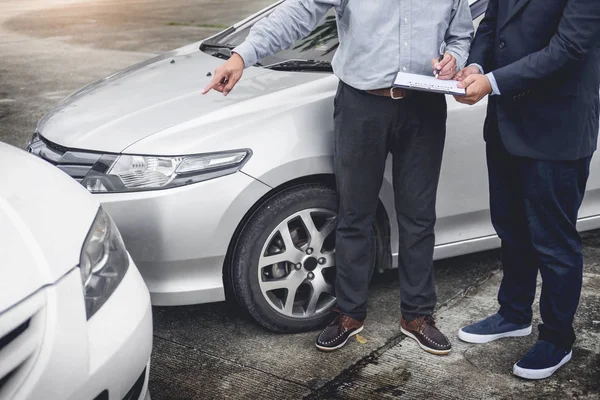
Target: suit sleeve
578	33
483	47
291	21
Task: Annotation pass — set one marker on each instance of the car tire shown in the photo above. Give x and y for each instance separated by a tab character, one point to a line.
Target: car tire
287	214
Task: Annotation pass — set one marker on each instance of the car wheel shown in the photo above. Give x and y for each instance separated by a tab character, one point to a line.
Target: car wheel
283	265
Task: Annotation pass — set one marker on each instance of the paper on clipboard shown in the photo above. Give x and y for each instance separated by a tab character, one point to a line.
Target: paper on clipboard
427	84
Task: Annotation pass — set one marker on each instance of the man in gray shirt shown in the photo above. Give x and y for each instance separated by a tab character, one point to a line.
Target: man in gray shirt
377	39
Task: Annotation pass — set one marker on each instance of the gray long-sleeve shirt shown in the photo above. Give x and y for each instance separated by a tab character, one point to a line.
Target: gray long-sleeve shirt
377	38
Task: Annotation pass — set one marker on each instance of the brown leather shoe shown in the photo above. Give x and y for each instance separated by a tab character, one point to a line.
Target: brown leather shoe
335	336
426	334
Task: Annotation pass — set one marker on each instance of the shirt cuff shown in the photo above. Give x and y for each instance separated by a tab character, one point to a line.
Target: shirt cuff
495	88
460	60
478	66
248	53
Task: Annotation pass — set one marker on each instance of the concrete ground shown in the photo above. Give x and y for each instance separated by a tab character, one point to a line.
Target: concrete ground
49	48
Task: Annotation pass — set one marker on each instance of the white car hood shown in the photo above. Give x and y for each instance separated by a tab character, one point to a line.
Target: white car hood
114	113
44	219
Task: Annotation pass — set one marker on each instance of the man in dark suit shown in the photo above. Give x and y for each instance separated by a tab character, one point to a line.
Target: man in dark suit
540	62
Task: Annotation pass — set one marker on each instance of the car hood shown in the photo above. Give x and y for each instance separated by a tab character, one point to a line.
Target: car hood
44	219
160	93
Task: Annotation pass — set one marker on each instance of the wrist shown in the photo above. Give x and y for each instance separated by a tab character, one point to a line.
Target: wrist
237	59
489	87
476	68
247	53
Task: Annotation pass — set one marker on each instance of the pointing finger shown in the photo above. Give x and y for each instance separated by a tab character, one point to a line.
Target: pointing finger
215	82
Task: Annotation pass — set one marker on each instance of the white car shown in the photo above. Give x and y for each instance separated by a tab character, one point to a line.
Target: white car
75	314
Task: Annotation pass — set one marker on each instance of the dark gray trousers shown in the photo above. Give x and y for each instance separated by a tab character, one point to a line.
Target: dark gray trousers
367	129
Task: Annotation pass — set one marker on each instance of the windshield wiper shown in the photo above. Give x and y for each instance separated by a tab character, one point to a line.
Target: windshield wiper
302	65
215	45
222	50
223	53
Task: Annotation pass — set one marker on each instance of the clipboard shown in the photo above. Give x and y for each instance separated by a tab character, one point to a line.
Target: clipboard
427	84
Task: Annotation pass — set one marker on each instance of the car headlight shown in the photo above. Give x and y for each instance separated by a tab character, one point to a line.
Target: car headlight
126	173
104	262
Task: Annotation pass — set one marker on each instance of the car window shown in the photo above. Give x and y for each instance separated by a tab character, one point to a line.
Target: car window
478	8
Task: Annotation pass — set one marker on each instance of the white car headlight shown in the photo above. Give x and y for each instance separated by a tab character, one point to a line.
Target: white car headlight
104	262
125	173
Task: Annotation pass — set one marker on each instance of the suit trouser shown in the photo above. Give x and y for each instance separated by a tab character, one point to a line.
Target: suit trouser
367	129
534	206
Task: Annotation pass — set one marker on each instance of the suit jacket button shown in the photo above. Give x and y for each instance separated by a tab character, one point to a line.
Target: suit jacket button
502	45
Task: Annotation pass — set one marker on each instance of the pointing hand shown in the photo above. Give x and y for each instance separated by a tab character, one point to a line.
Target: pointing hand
226	76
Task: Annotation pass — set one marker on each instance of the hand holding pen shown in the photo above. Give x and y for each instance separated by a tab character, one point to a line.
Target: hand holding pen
444	67
437	67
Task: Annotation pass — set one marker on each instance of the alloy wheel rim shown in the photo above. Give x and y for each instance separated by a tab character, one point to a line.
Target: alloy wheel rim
296	269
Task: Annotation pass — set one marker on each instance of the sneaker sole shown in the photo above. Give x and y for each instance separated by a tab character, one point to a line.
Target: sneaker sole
339	346
479	339
534	374
427	349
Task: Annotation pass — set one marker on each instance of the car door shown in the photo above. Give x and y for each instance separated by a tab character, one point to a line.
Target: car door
463	199
463	203
464	224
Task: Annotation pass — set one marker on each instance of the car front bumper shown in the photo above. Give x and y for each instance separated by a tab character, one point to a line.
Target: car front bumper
104	358
179	237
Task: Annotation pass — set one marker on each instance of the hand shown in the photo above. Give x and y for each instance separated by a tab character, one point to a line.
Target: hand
227	75
463	73
447	67
478	86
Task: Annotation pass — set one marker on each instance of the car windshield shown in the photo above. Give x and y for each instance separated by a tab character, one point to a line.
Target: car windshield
313	53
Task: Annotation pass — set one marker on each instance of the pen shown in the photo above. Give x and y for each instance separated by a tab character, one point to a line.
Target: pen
437	71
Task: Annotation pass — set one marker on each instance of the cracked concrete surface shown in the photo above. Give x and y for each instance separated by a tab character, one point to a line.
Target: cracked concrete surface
52	47
477	371
388	366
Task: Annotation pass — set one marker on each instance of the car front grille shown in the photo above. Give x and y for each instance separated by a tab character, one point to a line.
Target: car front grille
74	163
21	335
56	147
12	335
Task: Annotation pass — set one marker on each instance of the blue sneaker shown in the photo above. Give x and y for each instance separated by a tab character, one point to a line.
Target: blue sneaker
543	360
492	328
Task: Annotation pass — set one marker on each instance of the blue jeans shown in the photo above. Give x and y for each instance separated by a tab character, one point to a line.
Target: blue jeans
534	206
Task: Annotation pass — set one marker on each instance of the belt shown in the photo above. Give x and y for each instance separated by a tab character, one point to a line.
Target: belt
395	93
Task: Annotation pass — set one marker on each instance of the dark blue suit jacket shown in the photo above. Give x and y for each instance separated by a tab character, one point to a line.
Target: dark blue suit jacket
545	56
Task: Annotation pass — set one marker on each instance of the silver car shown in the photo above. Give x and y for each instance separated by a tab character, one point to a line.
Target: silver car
235	194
